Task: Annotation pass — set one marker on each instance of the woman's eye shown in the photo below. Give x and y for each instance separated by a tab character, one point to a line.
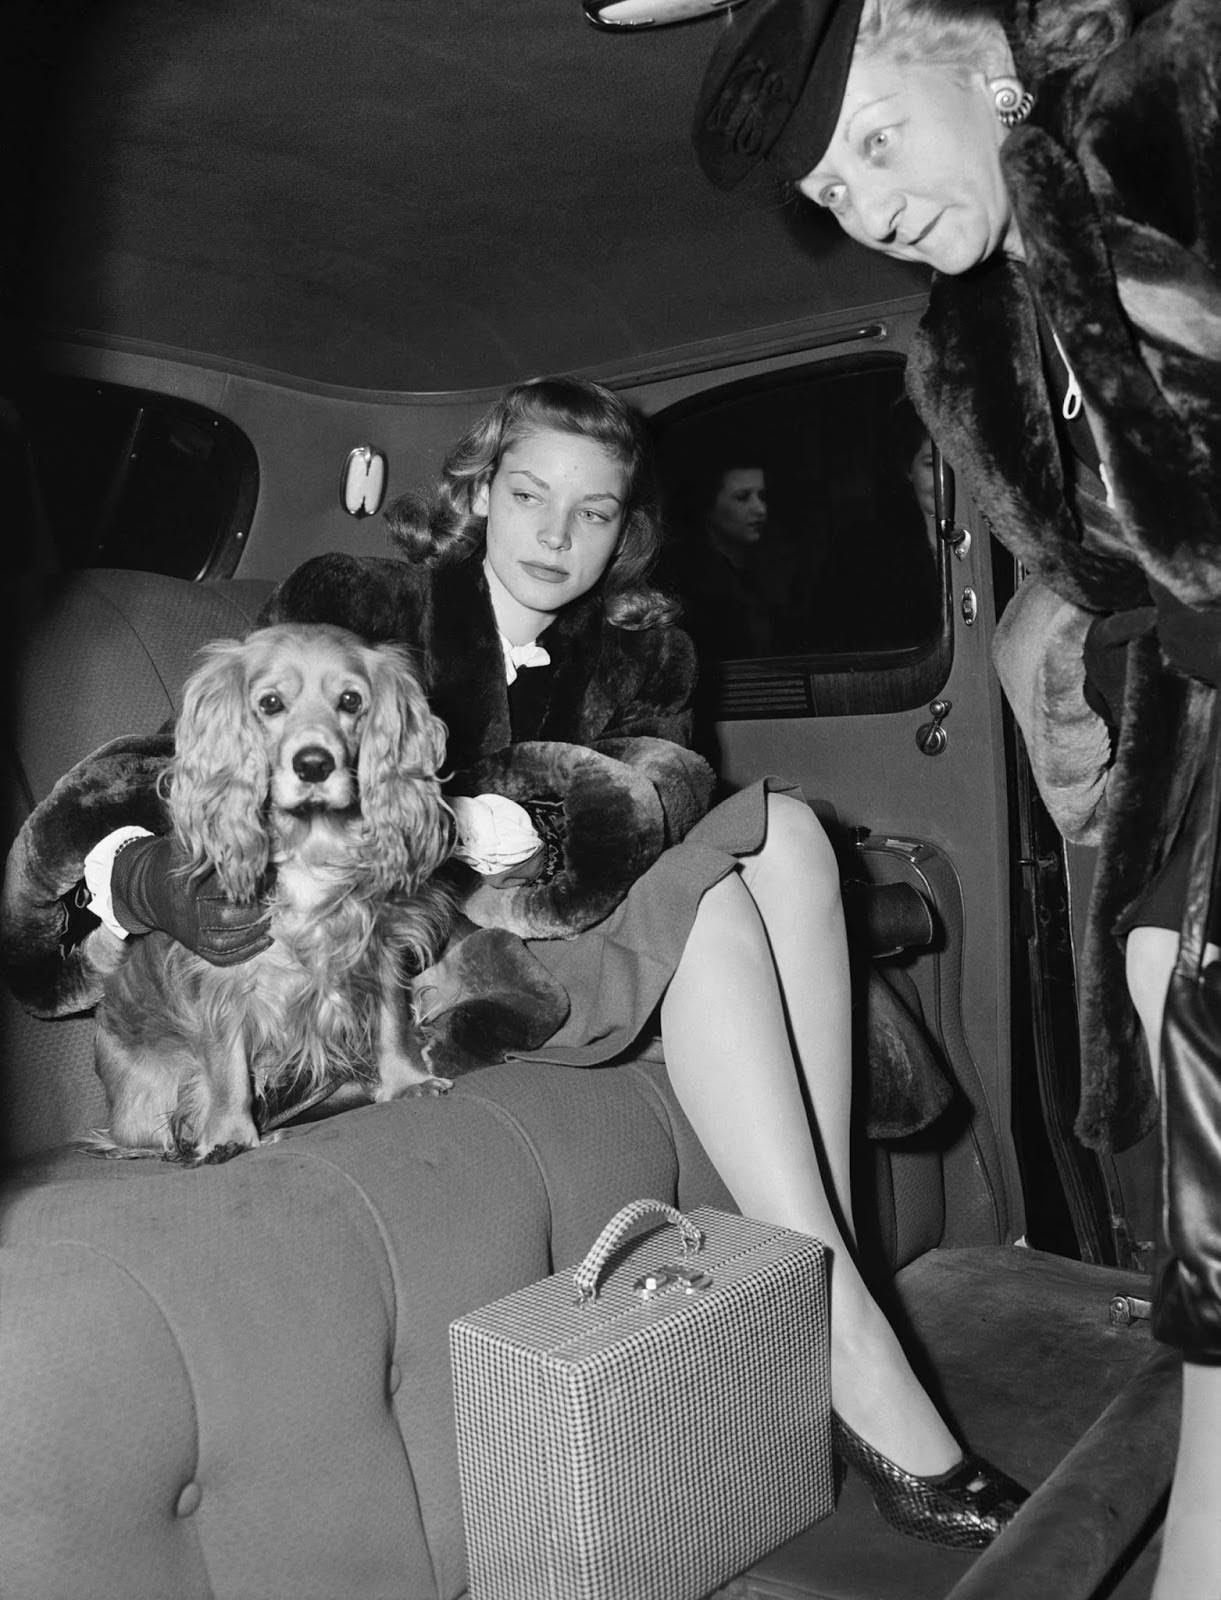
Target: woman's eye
594	516
831	196
524	497
270	705
351	701
877	142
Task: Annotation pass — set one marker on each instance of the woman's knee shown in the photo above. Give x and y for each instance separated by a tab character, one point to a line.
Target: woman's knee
727	919
797	841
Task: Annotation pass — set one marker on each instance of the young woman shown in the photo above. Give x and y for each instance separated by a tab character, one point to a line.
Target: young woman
538	543
523	586
1055	164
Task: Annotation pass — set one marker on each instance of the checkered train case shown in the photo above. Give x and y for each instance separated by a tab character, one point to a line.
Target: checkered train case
649	1425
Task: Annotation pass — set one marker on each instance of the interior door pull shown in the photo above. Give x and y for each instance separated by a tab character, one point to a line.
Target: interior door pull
931	737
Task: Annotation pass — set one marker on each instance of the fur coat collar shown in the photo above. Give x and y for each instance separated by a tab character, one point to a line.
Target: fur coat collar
1114	184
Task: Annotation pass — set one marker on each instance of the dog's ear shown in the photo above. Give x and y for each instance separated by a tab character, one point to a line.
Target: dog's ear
409	826
217	781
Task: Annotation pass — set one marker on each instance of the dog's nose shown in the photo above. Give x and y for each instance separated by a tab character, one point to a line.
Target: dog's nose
313	764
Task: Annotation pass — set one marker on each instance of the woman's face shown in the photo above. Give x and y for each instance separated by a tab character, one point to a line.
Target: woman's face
555	508
920	471
739	511
913	167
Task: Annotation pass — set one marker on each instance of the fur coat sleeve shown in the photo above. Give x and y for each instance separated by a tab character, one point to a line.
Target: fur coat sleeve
46	953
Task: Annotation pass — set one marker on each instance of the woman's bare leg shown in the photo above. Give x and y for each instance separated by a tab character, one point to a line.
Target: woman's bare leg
1190	1564
750	983
794	881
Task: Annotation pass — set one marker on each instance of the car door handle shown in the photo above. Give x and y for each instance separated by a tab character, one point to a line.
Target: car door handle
931	737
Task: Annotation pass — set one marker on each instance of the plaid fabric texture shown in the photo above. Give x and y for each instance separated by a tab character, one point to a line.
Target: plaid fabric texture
630	1449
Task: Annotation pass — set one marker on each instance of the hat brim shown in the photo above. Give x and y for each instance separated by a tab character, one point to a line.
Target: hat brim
773	88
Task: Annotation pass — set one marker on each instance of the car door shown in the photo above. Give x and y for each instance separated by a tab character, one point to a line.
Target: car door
891	722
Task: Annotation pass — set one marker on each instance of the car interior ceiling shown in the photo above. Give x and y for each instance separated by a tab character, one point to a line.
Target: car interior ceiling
430	198
251	182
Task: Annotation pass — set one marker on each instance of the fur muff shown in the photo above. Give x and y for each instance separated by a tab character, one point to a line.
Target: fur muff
1113	184
614	828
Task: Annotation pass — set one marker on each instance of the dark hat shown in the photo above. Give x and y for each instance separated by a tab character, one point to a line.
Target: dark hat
774	87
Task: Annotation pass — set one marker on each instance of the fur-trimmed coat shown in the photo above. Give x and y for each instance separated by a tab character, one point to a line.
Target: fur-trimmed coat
611	755
1116	186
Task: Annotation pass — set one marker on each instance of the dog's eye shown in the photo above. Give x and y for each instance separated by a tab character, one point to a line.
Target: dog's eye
270	704
350	700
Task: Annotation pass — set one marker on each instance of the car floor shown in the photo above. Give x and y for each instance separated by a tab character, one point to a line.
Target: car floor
1019	1347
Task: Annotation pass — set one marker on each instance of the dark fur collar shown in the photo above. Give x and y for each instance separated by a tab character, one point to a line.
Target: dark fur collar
1102	236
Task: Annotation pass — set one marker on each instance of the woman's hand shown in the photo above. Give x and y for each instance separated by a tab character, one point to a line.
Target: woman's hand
612	830
150	888
496	837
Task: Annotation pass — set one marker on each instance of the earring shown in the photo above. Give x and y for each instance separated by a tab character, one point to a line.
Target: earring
1013	103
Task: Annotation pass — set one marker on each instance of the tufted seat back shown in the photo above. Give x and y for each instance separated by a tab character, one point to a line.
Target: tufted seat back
93	655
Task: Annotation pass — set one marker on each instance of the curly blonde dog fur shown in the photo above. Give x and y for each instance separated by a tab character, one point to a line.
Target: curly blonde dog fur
305	776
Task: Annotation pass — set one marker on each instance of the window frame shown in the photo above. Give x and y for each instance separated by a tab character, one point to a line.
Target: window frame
814	684
221	558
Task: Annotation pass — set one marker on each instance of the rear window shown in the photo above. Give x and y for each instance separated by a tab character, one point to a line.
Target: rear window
124	478
802	540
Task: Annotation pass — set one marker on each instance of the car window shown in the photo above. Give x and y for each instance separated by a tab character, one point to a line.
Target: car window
138	480
801	524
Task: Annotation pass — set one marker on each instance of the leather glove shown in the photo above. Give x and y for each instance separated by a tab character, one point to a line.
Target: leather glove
149	889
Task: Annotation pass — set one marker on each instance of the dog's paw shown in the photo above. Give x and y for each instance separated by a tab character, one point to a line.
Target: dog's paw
220	1153
219	1139
426	1088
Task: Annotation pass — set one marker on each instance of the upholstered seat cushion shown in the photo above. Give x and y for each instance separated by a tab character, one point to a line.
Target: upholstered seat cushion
234	1380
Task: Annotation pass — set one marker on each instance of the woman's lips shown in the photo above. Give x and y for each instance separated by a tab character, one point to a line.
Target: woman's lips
543	573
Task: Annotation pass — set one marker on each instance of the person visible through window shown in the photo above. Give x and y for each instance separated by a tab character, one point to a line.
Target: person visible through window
744	590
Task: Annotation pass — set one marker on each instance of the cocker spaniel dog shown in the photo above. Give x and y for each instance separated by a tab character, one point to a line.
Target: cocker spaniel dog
305	775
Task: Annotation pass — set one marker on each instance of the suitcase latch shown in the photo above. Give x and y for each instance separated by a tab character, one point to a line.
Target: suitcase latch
692	1280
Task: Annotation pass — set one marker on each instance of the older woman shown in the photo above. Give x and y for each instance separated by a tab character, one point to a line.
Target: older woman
1057	164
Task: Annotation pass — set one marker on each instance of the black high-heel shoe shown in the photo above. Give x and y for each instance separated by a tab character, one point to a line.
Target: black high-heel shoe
964	1508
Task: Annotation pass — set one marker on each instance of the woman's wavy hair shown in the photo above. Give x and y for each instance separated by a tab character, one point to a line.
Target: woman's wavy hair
1047	36
442	528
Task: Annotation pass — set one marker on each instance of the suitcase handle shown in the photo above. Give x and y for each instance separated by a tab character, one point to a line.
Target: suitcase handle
616	1230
